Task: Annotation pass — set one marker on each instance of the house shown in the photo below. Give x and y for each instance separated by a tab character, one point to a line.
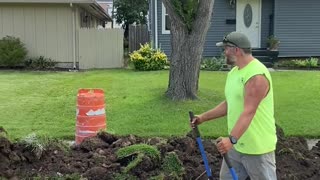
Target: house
295	23
107	5
56	29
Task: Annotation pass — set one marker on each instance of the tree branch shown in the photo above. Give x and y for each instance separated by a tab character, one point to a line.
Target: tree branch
174	16
204	14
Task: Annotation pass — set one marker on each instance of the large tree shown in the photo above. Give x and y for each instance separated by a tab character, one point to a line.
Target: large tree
131	11
190	21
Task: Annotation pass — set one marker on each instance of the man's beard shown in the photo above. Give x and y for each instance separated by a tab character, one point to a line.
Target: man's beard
230	60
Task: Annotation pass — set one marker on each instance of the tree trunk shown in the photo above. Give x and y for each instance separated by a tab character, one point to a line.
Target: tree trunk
126	31
187	49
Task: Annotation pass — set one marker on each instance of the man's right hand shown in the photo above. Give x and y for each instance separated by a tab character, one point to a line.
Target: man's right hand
196	121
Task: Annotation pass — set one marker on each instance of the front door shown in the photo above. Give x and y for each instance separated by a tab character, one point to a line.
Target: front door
249	20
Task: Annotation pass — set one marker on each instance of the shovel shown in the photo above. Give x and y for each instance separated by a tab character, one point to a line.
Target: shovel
204	157
231	169
203	154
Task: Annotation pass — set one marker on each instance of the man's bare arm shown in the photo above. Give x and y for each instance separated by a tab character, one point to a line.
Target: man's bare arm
219	111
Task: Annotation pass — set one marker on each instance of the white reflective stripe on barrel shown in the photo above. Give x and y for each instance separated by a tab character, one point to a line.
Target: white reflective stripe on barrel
101	111
97	112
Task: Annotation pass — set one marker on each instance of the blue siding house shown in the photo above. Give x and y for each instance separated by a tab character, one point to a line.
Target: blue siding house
295	23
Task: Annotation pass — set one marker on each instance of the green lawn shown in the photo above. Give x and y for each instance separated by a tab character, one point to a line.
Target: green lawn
45	102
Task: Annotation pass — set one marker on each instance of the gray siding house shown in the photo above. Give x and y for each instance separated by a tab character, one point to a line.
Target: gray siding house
68	31
295	23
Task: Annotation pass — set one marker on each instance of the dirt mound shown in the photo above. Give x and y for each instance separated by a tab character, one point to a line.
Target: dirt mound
294	160
97	158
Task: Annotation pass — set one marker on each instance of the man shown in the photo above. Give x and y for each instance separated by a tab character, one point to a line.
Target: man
250	113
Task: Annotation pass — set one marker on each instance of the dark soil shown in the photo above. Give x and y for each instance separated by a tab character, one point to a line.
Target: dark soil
95	158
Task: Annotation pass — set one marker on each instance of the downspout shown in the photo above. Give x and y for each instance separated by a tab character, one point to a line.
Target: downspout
74	36
156	24
112	14
274	18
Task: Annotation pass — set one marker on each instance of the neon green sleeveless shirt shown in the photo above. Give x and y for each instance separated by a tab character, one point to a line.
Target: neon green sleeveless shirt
260	137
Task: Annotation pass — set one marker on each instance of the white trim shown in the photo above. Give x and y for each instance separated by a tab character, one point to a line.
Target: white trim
260	28
149	15
74	35
87	3
156	24
163	16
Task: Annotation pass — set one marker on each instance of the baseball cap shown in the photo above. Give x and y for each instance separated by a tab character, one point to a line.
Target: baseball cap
235	39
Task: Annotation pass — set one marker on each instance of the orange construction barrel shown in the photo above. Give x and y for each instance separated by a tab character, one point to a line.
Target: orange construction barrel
91	114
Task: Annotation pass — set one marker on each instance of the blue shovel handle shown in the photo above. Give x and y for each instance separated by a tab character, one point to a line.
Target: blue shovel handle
199	141
231	169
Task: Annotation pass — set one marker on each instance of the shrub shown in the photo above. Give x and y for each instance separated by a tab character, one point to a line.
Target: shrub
299	63
12	51
213	64
312	62
148	59
40	63
284	63
272	42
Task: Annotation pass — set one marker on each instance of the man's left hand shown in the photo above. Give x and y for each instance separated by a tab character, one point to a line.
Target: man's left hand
224	145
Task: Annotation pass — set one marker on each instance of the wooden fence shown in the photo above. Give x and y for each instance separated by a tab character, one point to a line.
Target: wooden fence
100	48
138	34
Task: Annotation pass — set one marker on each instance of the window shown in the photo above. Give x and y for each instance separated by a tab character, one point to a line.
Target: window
86	20
166	24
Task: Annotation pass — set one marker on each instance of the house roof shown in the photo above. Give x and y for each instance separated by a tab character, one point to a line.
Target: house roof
110	1
90	5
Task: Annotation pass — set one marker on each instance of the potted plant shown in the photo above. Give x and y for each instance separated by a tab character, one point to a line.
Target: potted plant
273	43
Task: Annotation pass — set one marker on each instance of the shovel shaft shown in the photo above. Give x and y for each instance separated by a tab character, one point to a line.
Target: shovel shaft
228	162
203	154
231	169
204	157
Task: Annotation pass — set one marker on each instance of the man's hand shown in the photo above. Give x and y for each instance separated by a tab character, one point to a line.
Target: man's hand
218	111
195	121
224	145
